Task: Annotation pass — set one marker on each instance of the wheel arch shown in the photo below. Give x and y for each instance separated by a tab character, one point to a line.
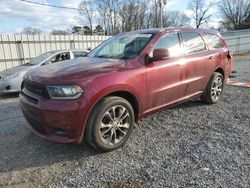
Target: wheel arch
130	97
123	93
220	70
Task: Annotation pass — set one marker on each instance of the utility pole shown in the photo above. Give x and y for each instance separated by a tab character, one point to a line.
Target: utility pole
162	3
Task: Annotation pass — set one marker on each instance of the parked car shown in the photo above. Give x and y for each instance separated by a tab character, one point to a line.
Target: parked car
11	79
127	77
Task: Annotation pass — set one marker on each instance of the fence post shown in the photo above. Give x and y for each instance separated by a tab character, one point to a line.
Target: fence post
10	50
72	44
22	47
4	56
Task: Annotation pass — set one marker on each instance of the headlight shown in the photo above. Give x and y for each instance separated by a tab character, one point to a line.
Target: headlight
8	77
68	92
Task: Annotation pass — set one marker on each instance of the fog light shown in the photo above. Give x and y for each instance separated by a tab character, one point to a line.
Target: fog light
60	132
7	88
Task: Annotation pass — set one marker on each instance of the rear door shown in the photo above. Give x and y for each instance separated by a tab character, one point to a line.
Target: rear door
165	78
219	50
198	61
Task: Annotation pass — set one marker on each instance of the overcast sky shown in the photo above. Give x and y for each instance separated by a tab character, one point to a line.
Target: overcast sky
15	15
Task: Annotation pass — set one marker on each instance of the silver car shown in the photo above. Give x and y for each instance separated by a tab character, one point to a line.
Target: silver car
11	79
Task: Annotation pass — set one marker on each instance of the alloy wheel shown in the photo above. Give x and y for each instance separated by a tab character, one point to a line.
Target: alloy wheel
114	125
217	88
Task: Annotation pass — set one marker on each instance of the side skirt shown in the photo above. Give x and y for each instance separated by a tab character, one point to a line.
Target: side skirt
171	104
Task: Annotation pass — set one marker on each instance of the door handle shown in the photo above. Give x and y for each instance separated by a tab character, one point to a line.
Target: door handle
211	57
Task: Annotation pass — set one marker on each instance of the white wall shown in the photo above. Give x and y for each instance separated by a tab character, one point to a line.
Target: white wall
18	49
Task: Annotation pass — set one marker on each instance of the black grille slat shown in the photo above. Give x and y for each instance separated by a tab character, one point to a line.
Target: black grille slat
29	98
35	88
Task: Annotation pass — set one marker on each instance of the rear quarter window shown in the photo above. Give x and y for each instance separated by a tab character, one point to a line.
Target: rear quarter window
193	42
214	41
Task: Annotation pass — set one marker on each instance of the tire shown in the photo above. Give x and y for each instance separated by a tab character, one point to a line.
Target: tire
110	124
214	89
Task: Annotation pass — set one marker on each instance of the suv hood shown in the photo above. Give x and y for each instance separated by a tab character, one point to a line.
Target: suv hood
73	70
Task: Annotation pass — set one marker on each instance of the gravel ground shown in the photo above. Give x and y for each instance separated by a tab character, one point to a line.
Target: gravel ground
191	145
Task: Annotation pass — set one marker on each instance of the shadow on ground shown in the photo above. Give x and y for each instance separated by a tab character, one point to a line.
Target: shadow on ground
21	149
32	151
9	96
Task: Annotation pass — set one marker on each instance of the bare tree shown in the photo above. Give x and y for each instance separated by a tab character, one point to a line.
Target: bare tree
58	32
128	15
141	13
120	15
156	18
86	9
31	31
177	19
109	11
132	15
200	10
236	13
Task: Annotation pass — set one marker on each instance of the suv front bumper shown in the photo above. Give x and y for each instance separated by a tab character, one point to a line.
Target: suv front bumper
55	120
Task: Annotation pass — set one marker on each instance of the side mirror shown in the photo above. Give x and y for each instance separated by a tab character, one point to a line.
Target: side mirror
160	54
89	49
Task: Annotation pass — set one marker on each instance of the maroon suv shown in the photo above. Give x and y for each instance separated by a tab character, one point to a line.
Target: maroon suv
127	77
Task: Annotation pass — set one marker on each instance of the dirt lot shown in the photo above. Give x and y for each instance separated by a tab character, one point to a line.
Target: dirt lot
192	145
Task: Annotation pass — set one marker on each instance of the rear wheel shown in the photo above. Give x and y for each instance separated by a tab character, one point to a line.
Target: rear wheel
110	124
214	89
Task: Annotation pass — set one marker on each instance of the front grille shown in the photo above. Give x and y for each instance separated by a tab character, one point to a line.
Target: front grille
29	98
35	88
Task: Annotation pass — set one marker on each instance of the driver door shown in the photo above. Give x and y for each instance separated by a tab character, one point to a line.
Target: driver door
166	78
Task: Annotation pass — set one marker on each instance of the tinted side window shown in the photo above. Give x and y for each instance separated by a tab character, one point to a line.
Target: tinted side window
78	54
170	42
193	42
214	40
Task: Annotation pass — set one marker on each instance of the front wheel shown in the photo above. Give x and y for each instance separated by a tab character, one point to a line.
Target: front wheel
214	89
110	124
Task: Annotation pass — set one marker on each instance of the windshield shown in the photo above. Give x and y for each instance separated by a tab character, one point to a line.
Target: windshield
125	46
40	58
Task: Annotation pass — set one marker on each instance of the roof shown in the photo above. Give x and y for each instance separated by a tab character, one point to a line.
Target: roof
67	50
158	30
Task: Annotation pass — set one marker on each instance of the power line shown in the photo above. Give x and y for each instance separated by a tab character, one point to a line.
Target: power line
48	5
